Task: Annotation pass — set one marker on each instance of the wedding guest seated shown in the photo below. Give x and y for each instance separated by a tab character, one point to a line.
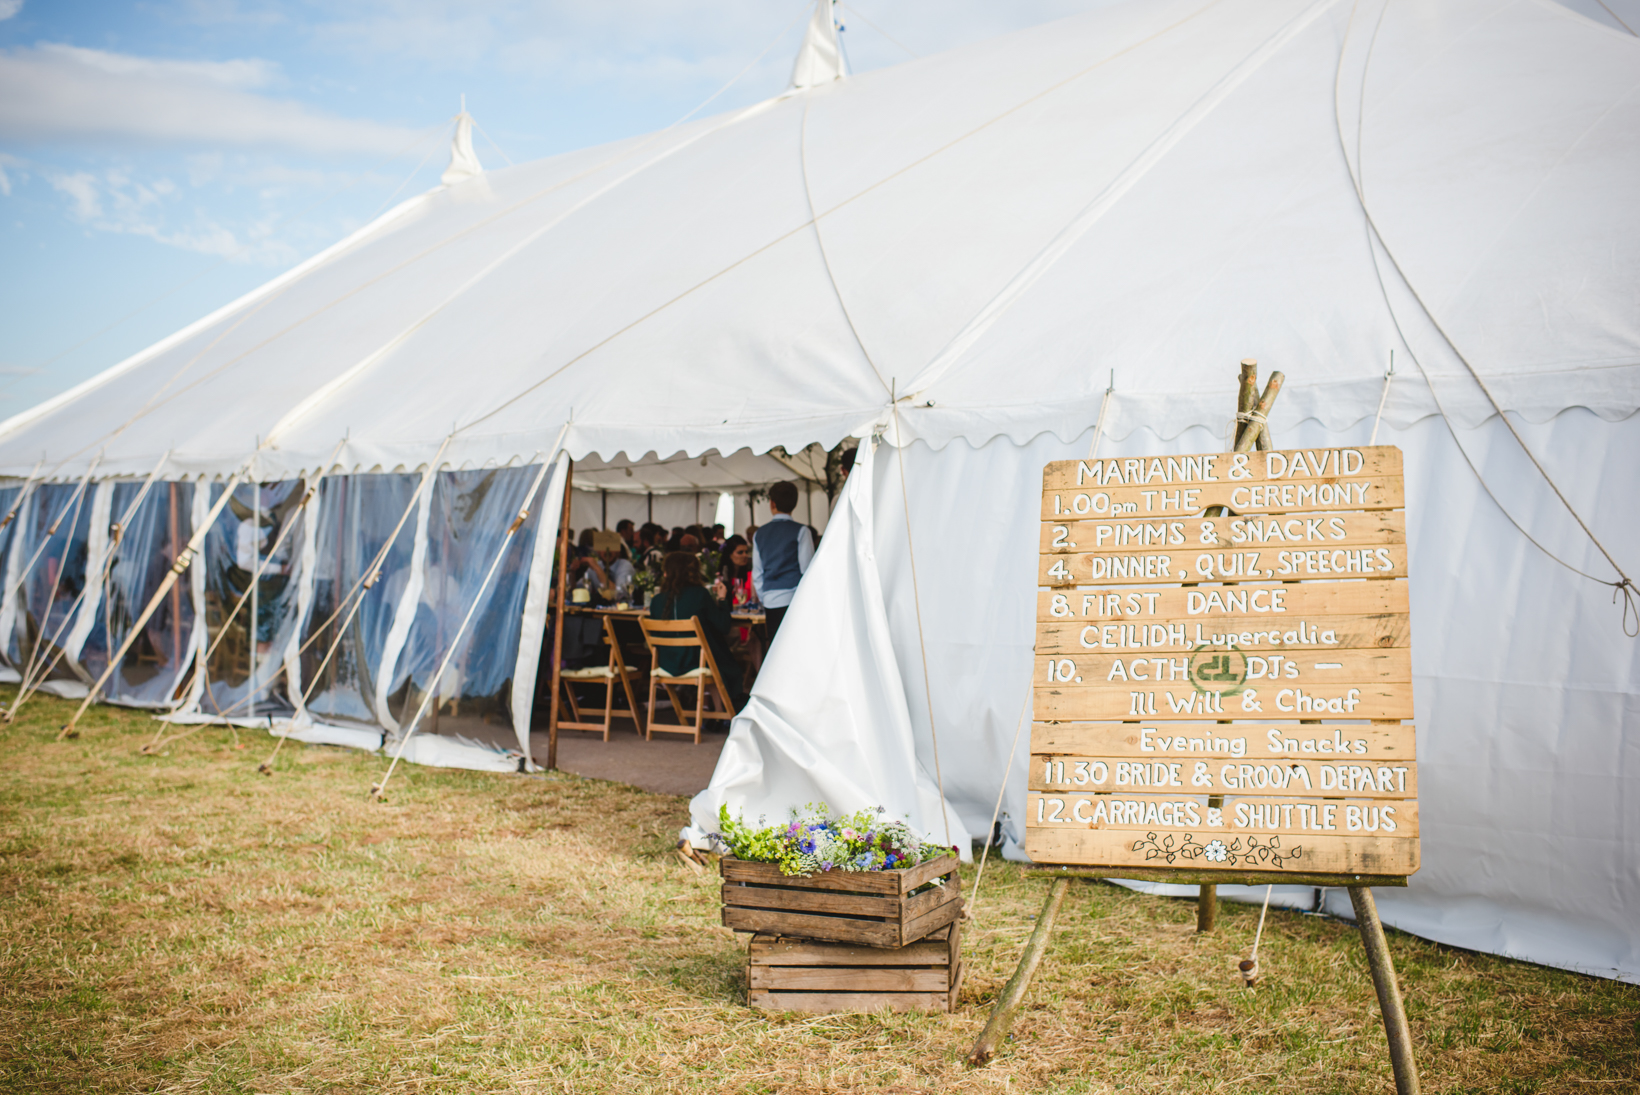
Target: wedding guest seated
734	580
681	596
652	546
579	554
609	572
734	587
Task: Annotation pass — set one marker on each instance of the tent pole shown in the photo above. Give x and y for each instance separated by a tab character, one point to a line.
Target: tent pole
1248	433
176	593
558	619
256	562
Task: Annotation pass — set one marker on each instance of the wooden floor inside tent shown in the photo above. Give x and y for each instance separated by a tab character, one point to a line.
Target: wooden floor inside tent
665	766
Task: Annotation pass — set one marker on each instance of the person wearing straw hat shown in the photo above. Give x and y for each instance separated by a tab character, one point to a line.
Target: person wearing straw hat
608	573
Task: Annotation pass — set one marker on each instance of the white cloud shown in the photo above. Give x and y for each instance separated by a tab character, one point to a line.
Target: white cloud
243	73
8	8
60	93
114	200
81	188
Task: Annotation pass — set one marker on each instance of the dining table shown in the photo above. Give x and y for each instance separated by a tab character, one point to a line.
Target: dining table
633	612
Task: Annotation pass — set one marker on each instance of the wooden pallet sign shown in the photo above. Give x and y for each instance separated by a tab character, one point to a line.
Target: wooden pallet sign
1223	666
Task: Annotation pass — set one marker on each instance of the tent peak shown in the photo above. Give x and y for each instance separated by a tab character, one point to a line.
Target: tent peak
820	57
463	160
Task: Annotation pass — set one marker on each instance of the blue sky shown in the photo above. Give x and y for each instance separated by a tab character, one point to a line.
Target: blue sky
163	157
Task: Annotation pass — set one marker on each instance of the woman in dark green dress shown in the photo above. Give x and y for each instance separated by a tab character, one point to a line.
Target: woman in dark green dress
681	596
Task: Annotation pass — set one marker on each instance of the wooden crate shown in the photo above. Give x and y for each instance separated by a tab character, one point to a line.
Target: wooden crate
804	975
875	908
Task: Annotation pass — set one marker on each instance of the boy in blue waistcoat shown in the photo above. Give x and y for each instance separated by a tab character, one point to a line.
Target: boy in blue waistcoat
781	551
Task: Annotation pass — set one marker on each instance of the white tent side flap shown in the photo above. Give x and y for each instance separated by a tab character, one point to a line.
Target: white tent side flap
828	721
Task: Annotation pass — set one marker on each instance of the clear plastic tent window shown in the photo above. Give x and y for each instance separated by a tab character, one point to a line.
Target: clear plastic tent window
471	512
156	531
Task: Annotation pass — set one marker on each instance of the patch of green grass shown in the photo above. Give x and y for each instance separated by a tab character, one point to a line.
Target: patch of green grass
178	922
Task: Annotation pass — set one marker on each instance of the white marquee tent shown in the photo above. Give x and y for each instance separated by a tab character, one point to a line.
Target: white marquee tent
952	259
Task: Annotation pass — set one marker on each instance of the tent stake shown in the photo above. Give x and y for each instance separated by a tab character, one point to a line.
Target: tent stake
1394	1010
1013	993
558	620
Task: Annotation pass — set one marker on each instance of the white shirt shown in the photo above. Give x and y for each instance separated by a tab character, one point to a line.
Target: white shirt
780	598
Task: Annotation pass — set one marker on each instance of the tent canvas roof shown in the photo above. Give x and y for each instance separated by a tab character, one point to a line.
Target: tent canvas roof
1157	189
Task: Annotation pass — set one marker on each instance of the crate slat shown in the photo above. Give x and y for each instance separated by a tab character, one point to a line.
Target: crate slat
801	952
913	877
818	977
829	1003
740	870
879	906
874	908
937	917
870	932
857	979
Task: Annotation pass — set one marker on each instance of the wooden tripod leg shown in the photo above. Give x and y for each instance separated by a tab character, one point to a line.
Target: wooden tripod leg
1389	993
1013	993
1207	907
1207	894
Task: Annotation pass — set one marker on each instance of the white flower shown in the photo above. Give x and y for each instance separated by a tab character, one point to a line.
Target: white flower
1215	851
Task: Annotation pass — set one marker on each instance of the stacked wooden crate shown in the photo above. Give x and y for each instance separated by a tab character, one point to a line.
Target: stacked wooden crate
805	975
848	941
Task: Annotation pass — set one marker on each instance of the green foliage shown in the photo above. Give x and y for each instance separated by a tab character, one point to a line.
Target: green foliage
822	841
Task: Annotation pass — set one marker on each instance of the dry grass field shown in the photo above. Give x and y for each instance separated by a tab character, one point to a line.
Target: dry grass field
178	923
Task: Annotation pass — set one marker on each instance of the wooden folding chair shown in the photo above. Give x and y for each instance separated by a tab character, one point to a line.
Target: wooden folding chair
704	678
617	671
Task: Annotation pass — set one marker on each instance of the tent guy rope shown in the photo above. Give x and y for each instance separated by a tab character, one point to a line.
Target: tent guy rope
922	642
1624	585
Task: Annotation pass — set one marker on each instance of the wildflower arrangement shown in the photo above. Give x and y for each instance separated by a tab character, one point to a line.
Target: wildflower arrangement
646	581
816	839
711	560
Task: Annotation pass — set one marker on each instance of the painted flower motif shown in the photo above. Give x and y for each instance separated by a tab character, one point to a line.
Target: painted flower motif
1215	851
